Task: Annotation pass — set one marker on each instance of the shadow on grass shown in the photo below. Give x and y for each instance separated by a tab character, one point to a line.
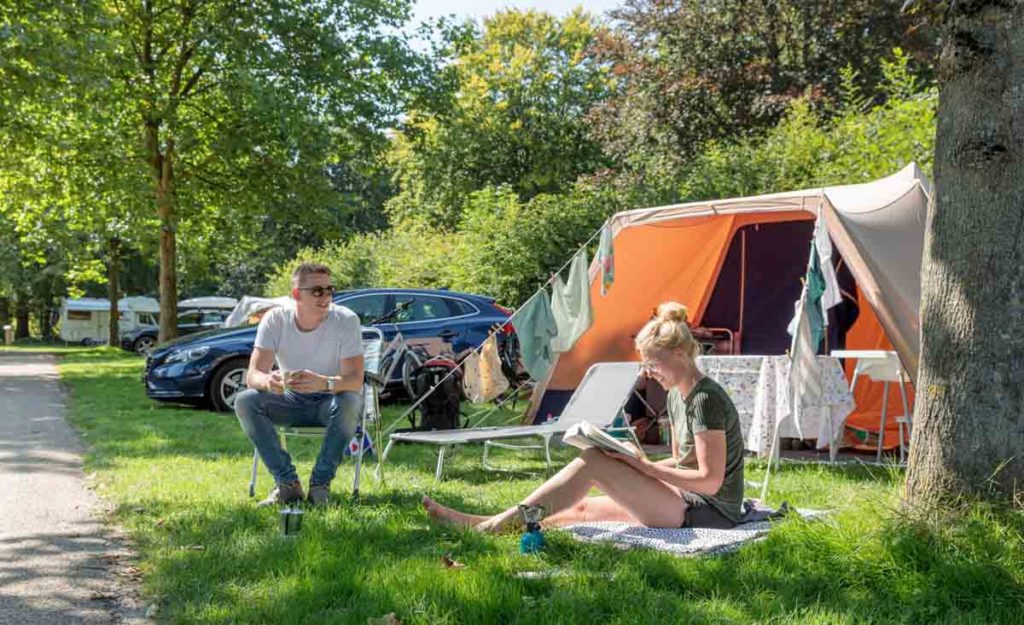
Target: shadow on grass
229	563
216	560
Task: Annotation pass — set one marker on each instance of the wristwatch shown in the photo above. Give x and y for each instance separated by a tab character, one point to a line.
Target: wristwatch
330	384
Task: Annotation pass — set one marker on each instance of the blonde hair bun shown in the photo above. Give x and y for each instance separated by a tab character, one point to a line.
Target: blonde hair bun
667	330
672	311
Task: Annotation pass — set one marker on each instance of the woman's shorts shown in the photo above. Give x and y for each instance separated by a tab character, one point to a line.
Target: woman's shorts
700	513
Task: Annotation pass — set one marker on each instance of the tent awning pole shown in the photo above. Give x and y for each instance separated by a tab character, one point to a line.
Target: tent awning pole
743	277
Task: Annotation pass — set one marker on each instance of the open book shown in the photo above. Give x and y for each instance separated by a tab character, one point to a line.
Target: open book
584	436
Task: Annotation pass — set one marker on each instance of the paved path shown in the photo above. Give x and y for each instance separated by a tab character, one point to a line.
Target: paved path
57	561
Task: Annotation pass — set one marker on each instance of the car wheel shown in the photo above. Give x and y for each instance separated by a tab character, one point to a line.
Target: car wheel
143	345
227	383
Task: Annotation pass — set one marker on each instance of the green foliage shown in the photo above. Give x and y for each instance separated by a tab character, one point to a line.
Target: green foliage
805	151
506	247
409	253
523	86
65	195
176	478
509	247
267	120
693	71
243	130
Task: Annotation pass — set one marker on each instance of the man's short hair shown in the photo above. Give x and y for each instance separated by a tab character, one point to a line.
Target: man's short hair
308	269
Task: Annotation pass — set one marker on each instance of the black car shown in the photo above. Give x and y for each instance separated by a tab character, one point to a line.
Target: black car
143	339
209	368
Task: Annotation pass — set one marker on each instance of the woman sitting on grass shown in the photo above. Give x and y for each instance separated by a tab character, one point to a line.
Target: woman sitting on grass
701	485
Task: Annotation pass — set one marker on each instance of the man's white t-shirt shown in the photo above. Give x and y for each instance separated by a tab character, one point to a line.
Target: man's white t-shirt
320	350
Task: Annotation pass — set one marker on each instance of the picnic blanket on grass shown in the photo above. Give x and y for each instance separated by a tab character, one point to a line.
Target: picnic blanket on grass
683	541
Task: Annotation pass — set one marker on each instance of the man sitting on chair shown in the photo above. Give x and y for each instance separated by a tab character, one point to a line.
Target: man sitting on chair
319	346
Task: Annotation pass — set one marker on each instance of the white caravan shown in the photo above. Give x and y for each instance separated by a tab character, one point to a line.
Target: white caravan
87	320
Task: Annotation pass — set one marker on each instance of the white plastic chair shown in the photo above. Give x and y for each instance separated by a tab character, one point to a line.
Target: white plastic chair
883	366
598	399
373	346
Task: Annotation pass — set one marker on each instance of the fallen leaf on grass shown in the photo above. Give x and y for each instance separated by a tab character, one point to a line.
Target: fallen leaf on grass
451	563
196	548
160	522
387	619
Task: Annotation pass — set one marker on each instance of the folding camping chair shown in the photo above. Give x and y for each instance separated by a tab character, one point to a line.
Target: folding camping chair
373	381
883	366
598	400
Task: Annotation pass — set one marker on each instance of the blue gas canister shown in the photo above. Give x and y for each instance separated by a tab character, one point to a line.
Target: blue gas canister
532	540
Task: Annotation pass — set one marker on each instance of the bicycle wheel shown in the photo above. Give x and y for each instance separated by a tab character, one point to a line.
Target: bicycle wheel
411	363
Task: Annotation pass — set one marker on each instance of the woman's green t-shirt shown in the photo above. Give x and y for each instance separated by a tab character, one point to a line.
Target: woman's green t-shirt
708	407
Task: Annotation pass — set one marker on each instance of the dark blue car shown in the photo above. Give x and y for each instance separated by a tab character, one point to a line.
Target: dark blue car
209	368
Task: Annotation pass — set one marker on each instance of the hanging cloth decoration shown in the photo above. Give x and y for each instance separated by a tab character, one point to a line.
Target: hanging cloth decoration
535	327
606	259
820	292
492	380
471	383
570	304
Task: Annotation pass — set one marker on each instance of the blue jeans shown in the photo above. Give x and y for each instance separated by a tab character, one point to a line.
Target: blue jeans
260	411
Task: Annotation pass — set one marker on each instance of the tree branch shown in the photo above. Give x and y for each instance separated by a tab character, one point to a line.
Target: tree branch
125	11
187	49
206	87
193	79
205	177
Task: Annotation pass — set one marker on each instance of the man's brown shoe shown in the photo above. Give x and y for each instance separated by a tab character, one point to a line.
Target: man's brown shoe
284	494
319	494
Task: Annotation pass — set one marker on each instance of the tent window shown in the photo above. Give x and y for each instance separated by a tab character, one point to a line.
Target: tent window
79	315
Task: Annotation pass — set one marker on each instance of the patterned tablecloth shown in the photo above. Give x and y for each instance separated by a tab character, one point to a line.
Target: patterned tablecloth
759	386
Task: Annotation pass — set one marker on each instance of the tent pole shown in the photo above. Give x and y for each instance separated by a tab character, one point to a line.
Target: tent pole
743	278
771	459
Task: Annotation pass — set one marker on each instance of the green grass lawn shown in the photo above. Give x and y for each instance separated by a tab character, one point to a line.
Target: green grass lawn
178	478
40	347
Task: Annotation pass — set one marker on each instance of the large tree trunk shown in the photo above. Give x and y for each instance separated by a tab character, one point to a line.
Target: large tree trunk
45	321
161	164
163	183
168	257
45	308
114	289
21	318
968	436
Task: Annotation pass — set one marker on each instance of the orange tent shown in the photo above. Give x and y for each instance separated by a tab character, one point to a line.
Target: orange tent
737	265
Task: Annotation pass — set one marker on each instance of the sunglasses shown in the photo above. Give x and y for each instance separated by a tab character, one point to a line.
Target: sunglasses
318	291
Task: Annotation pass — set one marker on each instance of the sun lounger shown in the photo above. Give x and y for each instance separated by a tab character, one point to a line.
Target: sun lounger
598	400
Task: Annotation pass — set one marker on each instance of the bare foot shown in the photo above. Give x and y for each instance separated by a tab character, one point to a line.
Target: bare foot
448	516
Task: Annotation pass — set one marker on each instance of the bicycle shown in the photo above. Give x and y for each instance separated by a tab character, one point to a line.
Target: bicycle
400	355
